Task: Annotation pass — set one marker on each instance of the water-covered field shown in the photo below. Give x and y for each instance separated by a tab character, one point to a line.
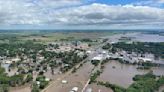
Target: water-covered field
122	74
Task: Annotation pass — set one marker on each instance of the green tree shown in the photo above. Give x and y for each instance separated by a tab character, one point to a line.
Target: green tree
35	88
29	78
4	88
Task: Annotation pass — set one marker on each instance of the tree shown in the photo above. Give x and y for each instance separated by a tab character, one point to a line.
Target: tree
35	88
16	80
29	78
4	88
95	62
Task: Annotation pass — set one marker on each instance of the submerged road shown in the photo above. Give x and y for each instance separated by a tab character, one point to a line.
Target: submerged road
54	83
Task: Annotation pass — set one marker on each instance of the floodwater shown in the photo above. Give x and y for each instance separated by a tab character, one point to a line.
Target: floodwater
6	66
11	72
98	88
25	88
77	79
161	89
122	74
148	38
141	37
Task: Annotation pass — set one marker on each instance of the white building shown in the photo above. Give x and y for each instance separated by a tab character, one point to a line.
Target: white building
145	59
15	59
8	62
99	58
47	79
88	52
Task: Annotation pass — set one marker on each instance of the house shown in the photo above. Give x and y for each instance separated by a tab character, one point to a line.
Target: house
66	65
97	58
40	58
15	59
88	52
38	82
145	59
8	62
104	52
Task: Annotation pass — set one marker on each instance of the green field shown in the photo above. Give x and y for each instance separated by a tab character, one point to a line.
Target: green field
51	36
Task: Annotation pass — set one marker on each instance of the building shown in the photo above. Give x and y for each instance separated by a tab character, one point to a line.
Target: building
8	62
15	59
145	59
88	52
98	58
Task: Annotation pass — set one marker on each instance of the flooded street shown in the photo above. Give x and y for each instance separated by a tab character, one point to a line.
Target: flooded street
77	79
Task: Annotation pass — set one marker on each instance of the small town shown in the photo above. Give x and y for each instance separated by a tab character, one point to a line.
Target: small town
81	45
77	65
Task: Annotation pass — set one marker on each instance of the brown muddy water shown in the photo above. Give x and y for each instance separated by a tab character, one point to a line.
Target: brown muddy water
122	74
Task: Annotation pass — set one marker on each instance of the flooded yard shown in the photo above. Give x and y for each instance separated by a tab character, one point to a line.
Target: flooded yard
12	70
25	88
120	74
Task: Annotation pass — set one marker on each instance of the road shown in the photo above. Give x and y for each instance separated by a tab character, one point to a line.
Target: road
62	77
58	80
85	86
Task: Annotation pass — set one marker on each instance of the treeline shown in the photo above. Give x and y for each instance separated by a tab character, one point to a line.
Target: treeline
13	49
142	83
146	83
142	47
115	88
94	76
139	47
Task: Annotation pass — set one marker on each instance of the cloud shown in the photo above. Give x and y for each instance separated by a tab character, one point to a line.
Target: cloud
76	12
152	3
161	1
31	11
109	14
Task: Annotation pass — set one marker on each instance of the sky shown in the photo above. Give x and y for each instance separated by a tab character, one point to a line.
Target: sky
81	14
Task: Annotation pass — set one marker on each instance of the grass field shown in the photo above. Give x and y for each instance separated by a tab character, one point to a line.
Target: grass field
52	36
